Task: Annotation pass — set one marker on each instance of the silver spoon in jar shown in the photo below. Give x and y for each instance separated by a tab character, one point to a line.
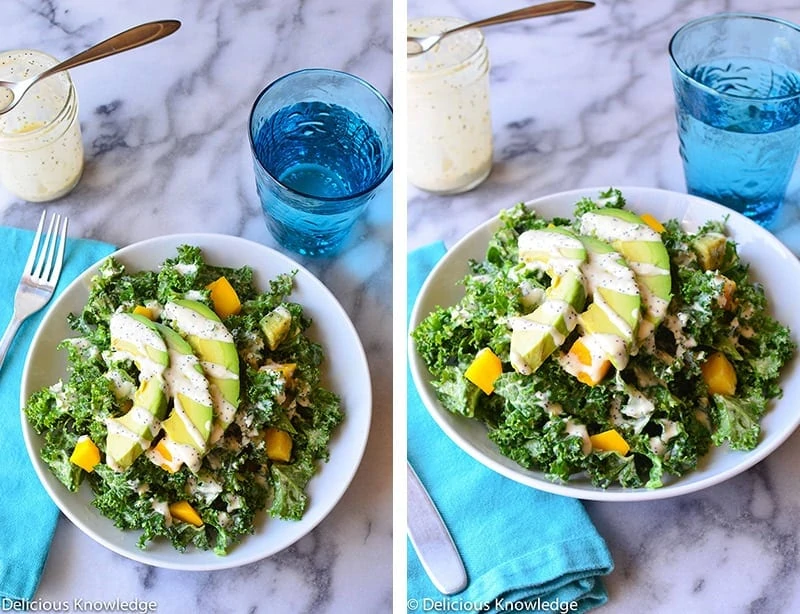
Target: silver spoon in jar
12	91
420	44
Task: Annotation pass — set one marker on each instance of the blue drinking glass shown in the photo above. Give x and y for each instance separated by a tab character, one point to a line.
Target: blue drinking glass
736	79
322	147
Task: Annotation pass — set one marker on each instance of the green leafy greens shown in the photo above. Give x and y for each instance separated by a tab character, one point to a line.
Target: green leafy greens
659	403
237	480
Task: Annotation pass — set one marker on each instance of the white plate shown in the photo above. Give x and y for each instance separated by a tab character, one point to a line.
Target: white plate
345	372
771	264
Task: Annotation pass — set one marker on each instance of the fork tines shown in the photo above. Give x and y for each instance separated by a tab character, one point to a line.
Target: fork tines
46	270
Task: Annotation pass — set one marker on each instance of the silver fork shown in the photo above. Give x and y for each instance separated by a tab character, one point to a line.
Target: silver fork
39	278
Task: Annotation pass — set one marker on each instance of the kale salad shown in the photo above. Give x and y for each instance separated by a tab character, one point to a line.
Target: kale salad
192	402
612	345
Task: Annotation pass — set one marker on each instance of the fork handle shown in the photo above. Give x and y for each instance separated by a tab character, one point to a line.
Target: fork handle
8	337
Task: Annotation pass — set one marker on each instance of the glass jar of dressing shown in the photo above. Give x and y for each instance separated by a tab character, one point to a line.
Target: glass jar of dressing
449	123
41	152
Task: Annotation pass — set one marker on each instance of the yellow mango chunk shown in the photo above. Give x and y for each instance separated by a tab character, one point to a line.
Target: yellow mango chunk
581	352
143	311
610	441
593	374
279	444
226	302
86	455
166	456
484	370
719	374
652	222
184	512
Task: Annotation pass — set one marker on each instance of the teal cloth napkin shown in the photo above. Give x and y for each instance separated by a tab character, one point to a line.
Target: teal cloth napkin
523	549
27	515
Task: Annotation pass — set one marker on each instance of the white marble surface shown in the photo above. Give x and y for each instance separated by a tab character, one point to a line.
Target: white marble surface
165	133
585	100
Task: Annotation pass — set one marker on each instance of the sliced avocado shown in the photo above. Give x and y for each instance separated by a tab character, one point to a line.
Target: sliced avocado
189	422
646	255
276	325
214	346
616	303
136	338
710	249
554	250
537	335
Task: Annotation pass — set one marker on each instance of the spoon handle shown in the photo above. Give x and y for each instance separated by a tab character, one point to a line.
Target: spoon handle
129	39
537	10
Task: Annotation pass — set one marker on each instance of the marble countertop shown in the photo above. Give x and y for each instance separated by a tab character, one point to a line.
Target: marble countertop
585	100
164	128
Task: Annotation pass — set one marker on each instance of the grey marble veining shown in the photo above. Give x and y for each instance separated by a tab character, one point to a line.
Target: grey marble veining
165	133
585	100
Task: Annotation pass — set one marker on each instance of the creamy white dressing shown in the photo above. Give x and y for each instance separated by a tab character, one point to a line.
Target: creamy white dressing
194	295
125	328
155	308
185	379
609	228
657	446
137	342
647	269
638	405
526	324
162	508
192	323
122	385
518	363
531	296
185	268
217	371
41	149
234	503
675	324
183	453
655	306
610	271
553	252
204	487
449	127
669	430
601	346
225	413
638	408
573	429
116	428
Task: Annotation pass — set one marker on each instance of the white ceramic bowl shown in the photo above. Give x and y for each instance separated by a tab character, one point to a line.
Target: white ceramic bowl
771	264
345	372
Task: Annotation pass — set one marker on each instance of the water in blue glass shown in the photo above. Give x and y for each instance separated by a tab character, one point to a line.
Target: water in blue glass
740	149
325	157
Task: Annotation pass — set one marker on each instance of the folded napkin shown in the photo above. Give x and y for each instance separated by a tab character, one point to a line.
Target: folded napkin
27	515
523	549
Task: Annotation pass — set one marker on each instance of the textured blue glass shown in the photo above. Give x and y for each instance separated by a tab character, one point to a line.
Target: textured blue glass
322	147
